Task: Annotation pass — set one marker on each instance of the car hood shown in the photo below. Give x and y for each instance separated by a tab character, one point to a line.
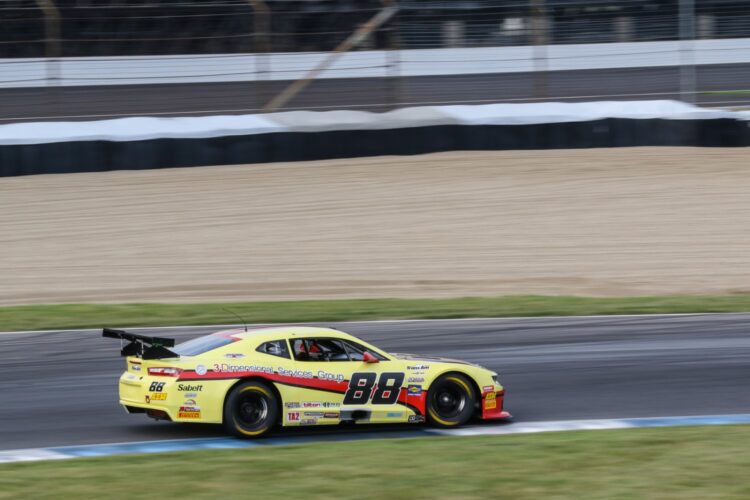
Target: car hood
428	359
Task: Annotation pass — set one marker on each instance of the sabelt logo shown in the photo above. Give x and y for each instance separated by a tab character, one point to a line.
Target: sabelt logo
189	387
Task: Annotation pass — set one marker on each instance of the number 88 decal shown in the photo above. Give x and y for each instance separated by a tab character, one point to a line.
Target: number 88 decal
386	390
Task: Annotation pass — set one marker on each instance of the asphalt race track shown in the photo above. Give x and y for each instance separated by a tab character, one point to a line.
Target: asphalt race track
60	388
374	94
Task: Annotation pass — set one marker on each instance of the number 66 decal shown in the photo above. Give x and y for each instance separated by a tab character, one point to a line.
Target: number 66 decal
386	390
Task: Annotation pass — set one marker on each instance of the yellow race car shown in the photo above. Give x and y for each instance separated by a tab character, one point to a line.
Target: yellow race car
252	380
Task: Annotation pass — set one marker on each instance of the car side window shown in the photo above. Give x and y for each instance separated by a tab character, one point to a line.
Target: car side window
356	352
319	349
274	348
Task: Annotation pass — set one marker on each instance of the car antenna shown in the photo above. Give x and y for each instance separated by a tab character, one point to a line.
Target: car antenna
238	316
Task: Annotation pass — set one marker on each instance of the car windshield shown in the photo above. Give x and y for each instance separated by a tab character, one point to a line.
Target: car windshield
202	344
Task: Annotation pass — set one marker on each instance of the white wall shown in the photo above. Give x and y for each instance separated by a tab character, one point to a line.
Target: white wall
77	71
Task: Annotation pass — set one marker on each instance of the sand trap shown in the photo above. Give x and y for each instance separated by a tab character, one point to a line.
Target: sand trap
591	222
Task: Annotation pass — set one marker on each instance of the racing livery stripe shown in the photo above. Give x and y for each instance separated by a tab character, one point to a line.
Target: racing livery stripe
313	383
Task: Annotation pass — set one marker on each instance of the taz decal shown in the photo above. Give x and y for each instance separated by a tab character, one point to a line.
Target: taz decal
293	416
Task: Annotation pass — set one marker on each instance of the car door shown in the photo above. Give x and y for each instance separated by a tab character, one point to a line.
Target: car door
358	390
375	386
321	369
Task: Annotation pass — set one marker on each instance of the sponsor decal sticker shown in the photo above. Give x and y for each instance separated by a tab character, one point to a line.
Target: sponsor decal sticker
313	413
228	368
308	421
136	368
294	373
291	405
415	379
234	355
331	414
337	377
189	412
189	387
418	367
416	419
292	416
312	404
394	414
190	402
331	405
490	396
201	370
488	388
490	405
158	396
414	390
191	394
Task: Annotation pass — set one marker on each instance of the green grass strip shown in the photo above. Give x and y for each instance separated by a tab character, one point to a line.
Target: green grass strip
675	463
42	317
726	92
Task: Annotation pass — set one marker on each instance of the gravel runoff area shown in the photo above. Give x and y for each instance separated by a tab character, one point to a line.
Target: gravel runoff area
597	222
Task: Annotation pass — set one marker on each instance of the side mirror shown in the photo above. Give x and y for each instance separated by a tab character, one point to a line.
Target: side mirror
369	358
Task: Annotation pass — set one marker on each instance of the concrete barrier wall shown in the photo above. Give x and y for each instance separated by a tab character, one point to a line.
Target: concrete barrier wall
27	149
138	70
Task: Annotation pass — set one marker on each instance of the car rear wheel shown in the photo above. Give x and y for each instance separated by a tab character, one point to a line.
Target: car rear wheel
250	410
450	401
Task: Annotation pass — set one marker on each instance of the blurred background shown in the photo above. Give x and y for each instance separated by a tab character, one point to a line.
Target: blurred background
161	57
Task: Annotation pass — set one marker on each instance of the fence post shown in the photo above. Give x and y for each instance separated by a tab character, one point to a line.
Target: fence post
393	60
540	39
51	51
262	46
687	54
351	42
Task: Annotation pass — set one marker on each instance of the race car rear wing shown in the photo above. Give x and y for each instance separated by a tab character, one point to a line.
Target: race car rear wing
141	345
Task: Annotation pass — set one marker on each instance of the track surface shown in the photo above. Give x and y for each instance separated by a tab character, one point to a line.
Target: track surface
60	388
377	94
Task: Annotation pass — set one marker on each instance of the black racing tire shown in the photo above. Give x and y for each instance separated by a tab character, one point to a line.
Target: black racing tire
251	410
451	401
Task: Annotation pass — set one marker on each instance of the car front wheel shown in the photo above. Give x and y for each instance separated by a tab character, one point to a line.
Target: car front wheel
450	401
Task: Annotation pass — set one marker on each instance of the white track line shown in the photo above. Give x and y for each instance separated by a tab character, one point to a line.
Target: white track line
175	445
